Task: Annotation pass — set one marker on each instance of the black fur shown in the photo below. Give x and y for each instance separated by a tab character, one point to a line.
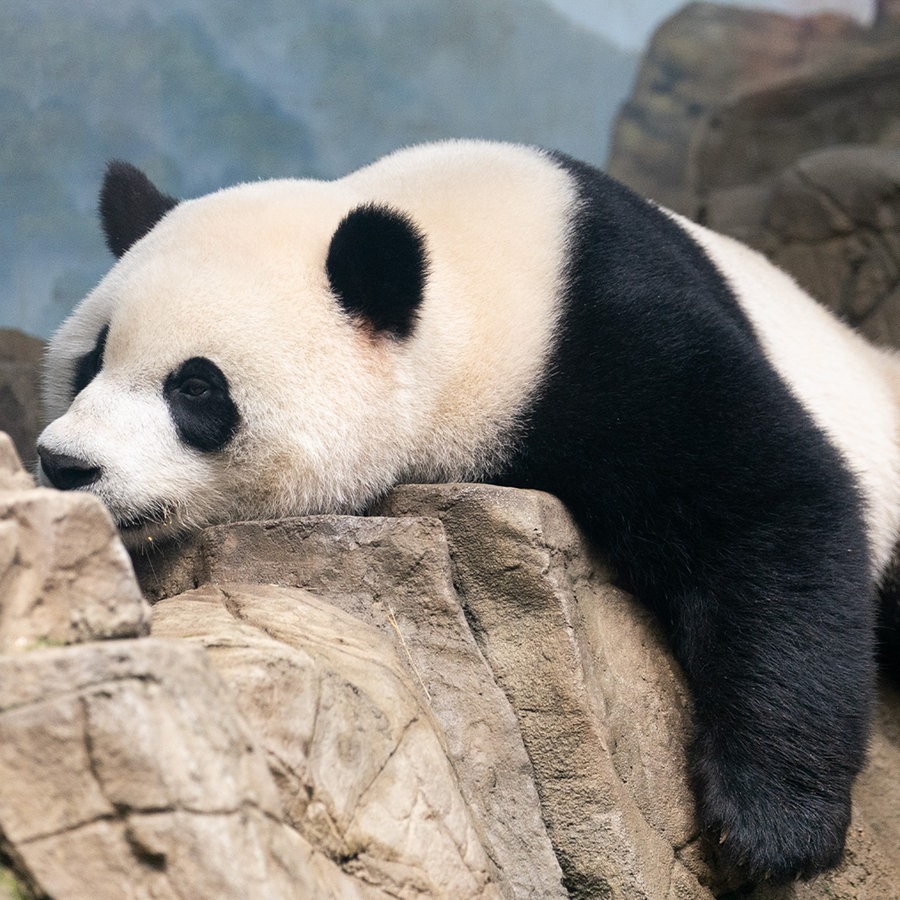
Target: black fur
66	473
130	205
685	458
377	267
89	364
200	404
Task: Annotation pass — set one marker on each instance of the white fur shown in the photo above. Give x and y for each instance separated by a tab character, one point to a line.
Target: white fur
330	416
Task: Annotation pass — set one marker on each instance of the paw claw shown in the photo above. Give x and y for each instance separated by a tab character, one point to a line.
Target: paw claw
767	831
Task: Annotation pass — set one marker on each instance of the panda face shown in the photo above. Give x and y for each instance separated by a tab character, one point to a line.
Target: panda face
232	381
155	449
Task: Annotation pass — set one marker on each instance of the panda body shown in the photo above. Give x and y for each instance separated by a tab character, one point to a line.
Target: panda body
479	311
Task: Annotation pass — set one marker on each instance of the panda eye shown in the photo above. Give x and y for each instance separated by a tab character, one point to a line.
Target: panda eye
89	364
194	387
200	404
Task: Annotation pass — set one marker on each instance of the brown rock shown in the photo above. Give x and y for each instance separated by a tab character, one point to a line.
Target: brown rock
600	706
759	133
125	771
887	12
361	769
784	133
12	476
727	96
20	407
64	575
394	575
833	221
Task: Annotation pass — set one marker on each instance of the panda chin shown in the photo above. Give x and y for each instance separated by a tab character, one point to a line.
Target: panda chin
147	528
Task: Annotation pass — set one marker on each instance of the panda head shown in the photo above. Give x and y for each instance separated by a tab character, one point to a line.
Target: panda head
241	358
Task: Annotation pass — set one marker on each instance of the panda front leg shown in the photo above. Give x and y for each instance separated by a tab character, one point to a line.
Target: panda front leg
782	677
754	554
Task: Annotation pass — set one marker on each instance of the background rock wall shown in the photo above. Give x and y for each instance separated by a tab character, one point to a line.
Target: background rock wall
784	133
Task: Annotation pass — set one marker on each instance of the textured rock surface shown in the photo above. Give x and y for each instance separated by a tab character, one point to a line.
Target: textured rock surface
887	11
361	769
394	575
64	575
12	476
598	705
726	95
748	138
833	221
784	133
126	771
607	748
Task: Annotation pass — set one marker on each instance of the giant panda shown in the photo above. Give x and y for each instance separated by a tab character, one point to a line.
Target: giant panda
480	311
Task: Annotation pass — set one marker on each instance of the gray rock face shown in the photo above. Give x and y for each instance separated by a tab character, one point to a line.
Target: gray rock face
784	133
561	641
833	221
446	699
887	11
726	96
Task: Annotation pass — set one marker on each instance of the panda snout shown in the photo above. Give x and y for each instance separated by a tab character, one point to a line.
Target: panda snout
67	472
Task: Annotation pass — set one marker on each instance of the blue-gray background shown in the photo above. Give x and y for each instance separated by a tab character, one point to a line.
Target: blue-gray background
204	93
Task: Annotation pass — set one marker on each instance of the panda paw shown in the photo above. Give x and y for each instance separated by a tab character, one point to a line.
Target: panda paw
762	831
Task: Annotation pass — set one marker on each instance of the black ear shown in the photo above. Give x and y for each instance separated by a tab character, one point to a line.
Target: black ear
377	267
130	205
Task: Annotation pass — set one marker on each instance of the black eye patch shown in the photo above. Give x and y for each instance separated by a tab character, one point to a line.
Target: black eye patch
89	364
200	404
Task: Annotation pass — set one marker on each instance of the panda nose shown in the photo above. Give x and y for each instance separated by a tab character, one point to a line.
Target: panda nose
67	472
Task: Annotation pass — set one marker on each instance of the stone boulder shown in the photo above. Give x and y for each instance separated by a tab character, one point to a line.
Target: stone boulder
726	96
833	221
291	759
447	698
20	370
480	588
125	771
784	133
64	575
360	765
